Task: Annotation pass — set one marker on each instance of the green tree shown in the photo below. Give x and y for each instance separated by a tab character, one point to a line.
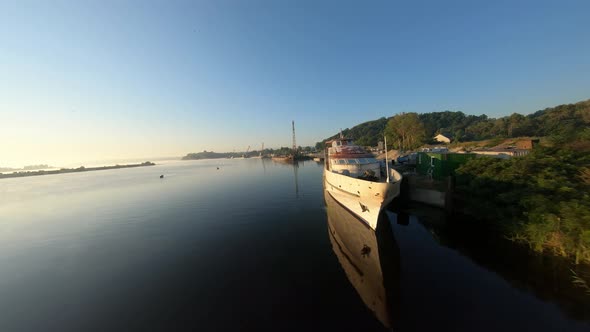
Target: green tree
458	136
516	125
405	131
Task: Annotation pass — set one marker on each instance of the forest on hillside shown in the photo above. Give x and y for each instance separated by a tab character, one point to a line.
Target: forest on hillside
411	130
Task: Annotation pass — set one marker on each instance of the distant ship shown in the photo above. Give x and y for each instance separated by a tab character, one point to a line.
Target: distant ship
284	159
357	180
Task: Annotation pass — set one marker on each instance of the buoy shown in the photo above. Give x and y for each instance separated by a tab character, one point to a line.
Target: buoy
217	167
162	176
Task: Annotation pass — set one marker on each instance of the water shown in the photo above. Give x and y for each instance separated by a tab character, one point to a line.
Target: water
245	247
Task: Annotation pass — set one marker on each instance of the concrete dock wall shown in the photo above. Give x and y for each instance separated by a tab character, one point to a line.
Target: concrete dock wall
428	196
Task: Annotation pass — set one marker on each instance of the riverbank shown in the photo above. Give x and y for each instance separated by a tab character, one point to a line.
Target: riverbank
552	278
540	200
471	217
72	170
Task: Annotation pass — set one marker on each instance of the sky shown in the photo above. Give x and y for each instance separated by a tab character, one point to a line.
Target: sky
96	80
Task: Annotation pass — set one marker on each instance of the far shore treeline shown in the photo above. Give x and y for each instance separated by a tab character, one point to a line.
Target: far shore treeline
19	174
283	151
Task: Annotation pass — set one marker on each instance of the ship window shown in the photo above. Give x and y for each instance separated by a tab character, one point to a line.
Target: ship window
341	161
352	161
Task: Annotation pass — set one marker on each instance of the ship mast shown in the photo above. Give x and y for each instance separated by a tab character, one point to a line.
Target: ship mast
386	162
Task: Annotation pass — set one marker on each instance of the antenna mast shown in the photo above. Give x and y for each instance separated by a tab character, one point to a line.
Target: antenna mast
294	144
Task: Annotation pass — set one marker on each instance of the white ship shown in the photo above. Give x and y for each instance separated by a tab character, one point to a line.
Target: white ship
358	181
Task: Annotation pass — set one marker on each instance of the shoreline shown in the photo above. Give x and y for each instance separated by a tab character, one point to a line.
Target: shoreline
71	170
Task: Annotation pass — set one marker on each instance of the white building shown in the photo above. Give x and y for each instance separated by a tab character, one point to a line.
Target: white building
502	153
442	138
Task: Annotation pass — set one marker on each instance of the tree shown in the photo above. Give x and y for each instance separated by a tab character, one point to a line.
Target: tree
458	136
516	124
405	131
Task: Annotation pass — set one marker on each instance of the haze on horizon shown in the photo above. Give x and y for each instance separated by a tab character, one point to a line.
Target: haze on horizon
99	80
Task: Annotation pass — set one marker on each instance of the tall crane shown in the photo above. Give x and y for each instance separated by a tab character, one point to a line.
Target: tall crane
294	144
245	155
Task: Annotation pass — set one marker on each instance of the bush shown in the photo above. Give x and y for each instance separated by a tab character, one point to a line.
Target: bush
542	199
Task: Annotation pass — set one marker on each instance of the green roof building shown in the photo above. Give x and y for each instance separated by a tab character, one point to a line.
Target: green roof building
440	165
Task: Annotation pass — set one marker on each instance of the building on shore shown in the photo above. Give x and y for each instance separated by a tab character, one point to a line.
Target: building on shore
442	138
527	144
503	153
440	165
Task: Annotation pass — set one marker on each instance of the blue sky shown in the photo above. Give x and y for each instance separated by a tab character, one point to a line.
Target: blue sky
89	80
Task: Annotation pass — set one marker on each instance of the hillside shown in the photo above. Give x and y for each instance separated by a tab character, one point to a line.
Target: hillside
367	133
558	122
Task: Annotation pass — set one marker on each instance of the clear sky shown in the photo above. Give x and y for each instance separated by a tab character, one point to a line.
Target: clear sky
89	80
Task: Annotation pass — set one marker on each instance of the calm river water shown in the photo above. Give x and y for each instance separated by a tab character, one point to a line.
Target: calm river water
249	246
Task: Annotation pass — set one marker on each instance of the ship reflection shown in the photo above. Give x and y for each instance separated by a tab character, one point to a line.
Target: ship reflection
369	258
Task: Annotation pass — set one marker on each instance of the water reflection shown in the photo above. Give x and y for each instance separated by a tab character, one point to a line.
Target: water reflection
546	277
369	258
295	172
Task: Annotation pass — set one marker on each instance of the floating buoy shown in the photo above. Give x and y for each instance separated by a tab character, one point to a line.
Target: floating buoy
217	167
162	176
